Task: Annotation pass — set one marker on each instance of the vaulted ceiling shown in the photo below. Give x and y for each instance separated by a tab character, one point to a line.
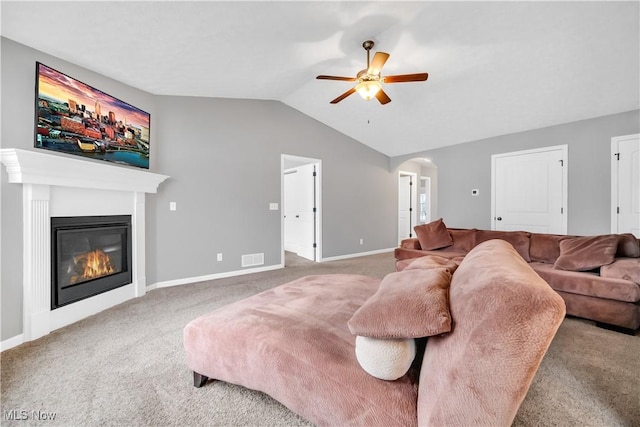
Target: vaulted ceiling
494	67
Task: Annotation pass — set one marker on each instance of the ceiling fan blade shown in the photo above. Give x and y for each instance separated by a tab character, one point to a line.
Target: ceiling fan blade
343	96
401	78
347	79
383	97
378	62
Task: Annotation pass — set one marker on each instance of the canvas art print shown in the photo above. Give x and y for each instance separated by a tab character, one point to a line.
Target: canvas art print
75	118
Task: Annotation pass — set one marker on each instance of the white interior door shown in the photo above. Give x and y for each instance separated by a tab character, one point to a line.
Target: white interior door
625	184
299	211
529	190
406	205
291	191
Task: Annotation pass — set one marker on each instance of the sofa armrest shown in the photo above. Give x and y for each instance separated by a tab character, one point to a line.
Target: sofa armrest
412	243
505	317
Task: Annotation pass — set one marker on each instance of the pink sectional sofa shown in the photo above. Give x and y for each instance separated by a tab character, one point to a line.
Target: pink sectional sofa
295	343
597	276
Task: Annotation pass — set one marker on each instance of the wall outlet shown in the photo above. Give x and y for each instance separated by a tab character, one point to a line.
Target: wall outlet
362	241
475	192
219	257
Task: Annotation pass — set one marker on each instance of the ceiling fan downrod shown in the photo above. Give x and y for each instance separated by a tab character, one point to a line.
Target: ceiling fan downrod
368	45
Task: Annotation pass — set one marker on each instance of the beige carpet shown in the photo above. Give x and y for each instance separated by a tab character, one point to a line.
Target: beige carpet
125	366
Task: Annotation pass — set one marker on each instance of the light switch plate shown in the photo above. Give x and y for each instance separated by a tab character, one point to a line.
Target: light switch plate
273	206
172	206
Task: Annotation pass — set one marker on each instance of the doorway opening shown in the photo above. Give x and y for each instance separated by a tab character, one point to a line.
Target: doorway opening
424	200
407	204
301	200
419	204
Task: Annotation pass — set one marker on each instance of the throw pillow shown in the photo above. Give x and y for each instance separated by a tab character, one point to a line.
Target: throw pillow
433	235
385	359
408	304
628	246
586	253
464	239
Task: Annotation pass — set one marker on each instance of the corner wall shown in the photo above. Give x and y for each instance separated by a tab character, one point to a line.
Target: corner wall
466	166
224	159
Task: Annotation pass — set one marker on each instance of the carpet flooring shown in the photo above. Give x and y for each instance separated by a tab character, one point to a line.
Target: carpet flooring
125	366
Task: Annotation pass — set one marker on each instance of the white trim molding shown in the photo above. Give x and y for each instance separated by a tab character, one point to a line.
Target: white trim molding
31	167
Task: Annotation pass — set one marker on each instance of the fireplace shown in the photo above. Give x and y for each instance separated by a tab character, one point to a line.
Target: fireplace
55	186
89	255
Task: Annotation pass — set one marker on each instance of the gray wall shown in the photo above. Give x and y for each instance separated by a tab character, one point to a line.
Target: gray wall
466	166
223	157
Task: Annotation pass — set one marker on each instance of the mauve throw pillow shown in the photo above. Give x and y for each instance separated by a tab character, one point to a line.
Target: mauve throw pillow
586	253
408	304
433	235
628	246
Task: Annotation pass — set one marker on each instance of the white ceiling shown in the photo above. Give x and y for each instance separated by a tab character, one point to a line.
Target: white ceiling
494	67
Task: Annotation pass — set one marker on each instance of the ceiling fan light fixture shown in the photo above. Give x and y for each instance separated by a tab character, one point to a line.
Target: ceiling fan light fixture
368	88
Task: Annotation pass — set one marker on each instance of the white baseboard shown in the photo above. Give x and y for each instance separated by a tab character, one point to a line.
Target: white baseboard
339	257
234	273
11	342
214	276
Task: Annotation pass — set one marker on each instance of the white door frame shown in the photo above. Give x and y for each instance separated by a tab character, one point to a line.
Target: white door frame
614	178
318	200
565	156
414	197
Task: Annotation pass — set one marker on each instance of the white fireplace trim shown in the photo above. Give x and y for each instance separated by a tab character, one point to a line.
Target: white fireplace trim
45	177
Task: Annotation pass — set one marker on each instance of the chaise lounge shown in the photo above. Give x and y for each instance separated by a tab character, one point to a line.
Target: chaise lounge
487	323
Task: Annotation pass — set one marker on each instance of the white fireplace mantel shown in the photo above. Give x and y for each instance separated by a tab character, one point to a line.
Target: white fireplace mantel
31	167
56	185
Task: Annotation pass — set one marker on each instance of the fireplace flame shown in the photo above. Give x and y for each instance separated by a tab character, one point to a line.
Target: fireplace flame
93	264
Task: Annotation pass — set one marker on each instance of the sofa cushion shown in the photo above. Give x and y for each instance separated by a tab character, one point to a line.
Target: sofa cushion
545	247
587	283
464	239
505	319
434	261
520	240
628	246
433	235
586	253
386	359
622	268
408	304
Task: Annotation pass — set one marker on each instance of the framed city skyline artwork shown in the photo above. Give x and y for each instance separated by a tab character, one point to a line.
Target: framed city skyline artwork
75	118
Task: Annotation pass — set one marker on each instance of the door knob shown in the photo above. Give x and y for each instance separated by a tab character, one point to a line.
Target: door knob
499	218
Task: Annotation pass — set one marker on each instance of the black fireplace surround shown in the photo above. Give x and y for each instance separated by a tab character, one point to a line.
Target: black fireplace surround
89	255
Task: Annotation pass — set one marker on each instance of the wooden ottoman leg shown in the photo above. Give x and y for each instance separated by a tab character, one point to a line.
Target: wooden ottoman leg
198	379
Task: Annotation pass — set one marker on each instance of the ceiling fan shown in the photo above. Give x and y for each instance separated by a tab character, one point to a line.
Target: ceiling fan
369	81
